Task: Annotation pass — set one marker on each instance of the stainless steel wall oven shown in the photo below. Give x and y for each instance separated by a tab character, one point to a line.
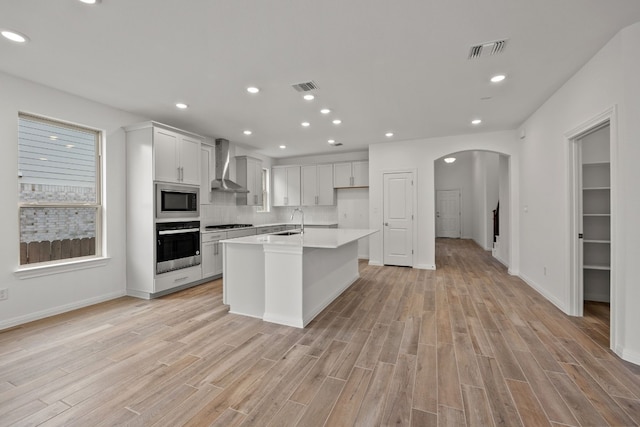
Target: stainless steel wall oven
177	245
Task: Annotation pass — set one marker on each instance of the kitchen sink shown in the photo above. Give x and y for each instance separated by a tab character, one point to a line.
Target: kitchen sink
287	233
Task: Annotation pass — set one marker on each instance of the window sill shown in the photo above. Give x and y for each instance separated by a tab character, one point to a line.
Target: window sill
60	267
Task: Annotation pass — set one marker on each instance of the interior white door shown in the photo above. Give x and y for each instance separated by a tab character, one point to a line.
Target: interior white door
448	213
398	219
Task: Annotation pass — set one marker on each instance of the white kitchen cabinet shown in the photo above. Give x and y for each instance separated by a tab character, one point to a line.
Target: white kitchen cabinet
150	156
176	157
271	229
206	174
317	185
212	253
249	175
351	174
286	185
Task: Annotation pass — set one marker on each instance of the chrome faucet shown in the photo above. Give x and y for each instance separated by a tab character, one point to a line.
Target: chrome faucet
301	219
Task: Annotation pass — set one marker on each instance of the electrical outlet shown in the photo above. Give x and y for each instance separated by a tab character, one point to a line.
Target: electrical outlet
4	294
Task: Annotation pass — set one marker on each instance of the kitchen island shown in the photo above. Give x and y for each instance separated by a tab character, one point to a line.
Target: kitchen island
289	279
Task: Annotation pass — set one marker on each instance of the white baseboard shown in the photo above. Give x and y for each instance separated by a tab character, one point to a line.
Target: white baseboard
597	297
500	260
425	266
553	300
629	356
59	310
373	262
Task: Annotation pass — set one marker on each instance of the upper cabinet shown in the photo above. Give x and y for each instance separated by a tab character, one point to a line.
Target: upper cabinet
206	174
249	175
317	185
177	157
351	174
286	185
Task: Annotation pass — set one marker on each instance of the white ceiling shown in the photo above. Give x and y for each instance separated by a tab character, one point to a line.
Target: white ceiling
380	65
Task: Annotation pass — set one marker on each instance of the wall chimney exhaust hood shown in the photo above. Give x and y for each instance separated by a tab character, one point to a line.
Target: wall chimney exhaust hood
222	181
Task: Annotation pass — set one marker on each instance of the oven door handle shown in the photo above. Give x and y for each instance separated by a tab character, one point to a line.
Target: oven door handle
181	231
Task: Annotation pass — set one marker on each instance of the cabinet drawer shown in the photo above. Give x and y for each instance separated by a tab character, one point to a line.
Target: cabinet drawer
212	237
241	233
177	278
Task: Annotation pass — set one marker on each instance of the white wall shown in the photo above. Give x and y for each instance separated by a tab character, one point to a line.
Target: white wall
502	250
485	187
353	212
420	155
457	176
609	80
479	188
42	296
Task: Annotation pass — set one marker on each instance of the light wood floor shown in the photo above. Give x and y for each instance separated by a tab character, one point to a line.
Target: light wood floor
466	344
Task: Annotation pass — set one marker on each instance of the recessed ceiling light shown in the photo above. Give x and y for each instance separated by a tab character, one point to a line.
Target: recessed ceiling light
476	122
388	134
498	78
90	1
282	147
309	97
305	124
44	159
325	111
247	132
14	36
450	160
182	106
69	145
331	141
337	121
53	137
253	89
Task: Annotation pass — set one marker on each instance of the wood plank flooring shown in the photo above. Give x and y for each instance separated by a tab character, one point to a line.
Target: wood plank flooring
464	345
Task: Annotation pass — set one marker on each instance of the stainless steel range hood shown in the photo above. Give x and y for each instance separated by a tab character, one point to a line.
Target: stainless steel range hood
222	181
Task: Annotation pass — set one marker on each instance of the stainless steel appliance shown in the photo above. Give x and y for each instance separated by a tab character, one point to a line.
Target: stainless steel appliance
222	181
177	201
177	245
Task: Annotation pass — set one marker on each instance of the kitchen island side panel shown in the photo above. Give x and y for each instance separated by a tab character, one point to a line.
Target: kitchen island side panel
283	285
243	280
327	273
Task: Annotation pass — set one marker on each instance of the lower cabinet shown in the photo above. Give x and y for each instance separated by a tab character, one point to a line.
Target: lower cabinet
212	254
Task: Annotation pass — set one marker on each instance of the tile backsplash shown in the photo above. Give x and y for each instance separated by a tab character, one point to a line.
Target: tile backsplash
223	210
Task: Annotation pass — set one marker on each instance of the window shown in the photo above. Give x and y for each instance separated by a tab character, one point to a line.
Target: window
59	190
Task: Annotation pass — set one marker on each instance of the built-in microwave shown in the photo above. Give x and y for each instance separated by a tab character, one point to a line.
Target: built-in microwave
177	201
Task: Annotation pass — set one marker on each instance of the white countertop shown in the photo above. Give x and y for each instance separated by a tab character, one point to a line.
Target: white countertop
275	224
311	238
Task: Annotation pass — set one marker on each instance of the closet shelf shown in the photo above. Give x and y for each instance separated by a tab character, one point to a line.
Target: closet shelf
597	241
596	188
596	163
596	267
594	214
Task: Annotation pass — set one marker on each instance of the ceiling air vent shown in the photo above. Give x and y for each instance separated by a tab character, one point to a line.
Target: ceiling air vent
305	87
337	144
487	49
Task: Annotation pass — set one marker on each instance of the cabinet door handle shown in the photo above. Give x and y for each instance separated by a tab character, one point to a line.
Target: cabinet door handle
255	199
181	173
316	200
178	173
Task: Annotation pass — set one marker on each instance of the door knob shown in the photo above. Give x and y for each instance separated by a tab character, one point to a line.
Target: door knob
386	224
